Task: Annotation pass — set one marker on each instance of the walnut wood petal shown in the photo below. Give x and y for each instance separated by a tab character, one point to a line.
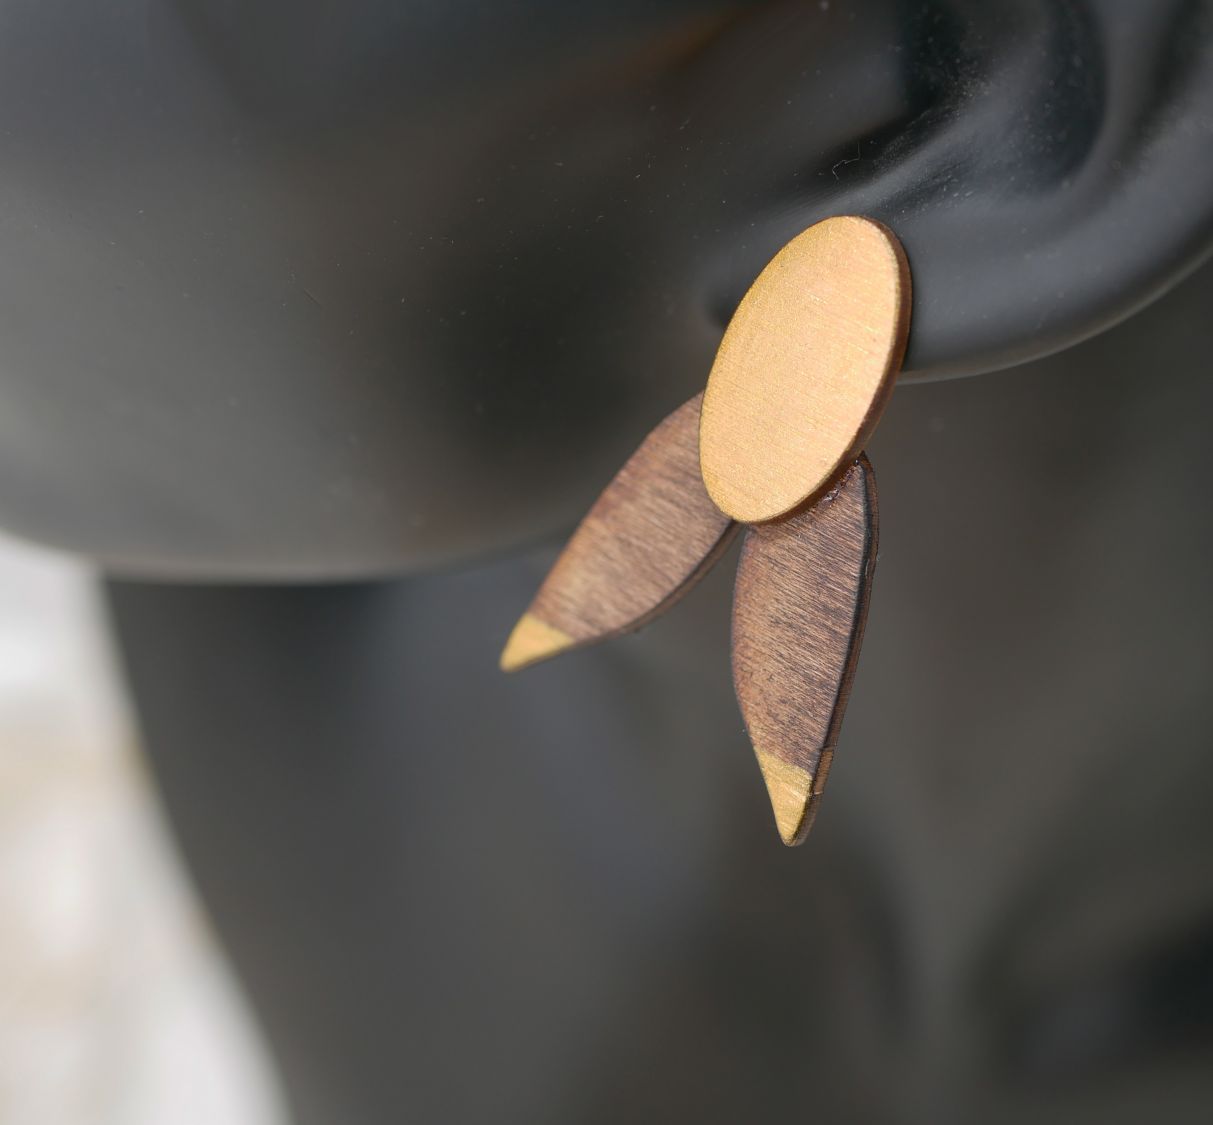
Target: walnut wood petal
645	542
798	616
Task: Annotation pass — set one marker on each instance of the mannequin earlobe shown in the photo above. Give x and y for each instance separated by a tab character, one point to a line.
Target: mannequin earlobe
1049	171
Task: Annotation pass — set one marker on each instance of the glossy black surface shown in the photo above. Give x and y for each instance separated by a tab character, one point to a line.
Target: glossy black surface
317	289
559	898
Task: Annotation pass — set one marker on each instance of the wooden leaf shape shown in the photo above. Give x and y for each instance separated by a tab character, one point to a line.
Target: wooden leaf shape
645	542
798	616
805	368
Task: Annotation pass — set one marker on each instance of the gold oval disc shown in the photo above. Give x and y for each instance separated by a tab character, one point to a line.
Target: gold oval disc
805	368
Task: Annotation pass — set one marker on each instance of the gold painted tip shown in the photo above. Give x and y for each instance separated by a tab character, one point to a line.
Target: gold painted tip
531	641
790	789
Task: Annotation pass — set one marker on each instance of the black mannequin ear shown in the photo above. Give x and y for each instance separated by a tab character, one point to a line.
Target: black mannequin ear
1048	166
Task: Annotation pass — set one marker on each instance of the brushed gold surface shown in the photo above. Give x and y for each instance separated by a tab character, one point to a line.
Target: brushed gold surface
805	368
531	641
790	789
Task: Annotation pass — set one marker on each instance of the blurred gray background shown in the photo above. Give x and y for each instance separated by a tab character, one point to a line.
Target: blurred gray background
116	1007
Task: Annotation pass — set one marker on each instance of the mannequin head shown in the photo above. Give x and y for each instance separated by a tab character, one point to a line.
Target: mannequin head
318	290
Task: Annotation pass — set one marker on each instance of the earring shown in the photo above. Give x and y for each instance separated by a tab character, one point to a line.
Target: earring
773	445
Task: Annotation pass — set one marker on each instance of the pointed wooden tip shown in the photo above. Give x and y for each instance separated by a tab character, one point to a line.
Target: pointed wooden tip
531	641
790	789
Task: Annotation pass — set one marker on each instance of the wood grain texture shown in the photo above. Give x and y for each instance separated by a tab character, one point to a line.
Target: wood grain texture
799	610
805	368
645	542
